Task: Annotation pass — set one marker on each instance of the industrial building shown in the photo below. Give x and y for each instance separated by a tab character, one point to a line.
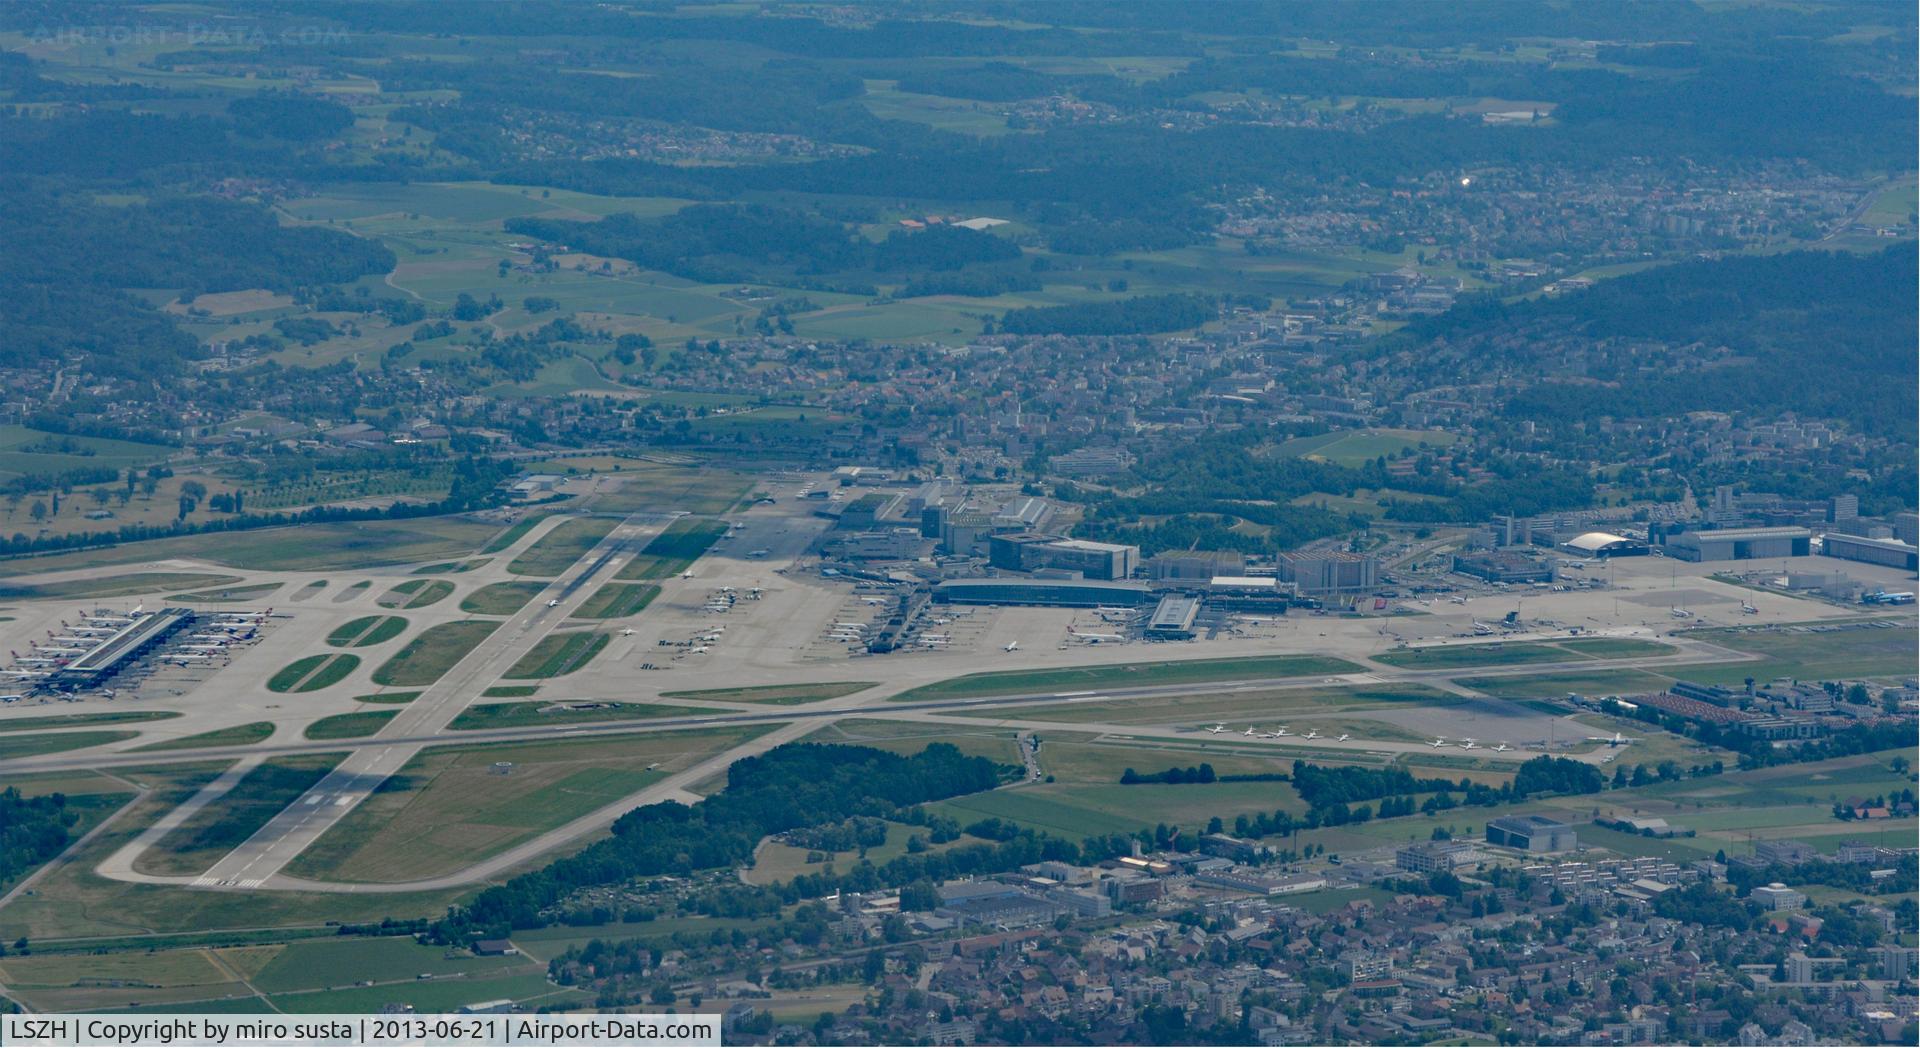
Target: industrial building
1173	617
1330	572
1889	552
1531	833
1740	544
1043	593
121	650
1600	545
1093	560
1254	593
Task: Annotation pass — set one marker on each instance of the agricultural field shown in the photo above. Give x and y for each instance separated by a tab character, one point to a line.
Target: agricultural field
213	831
558	549
450	806
775	694
416	593
366	631
500	598
674	550
617	600
313	673
428	656
1129	675
558	654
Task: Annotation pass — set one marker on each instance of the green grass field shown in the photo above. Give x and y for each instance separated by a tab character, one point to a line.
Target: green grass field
235	595
616	600
319	965
389	698
83	720
500	598
674	550
1128	675
307	547
1459	656
238	735
558	549
1557	685
558	654
416	593
366	631
1357	447
534	714
450	807
109	585
775	694
1839	654
35	744
350	725
313	673
1363	705
428	656
213	831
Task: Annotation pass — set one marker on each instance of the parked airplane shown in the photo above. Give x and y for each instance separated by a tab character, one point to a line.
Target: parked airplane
1094	638
1616	739
1312	733
1439	742
1502	748
1343	738
1251	733
1682	613
700	650
1280	733
1748	609
1012	645
628	632
1468	744
1216	729
1481	629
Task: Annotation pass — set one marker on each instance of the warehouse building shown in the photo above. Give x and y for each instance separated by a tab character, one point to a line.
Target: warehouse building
1196	564
1042	593
1889	552
1740	544
1531	833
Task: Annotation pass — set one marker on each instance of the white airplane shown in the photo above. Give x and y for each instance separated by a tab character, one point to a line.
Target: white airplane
1468	744
1481	629
937	638
1439	742
1748	609
933	642
554	603
1457	600
1012	645
628	632
850	625
701	650
11	698
1616	739
1682	613
1608	759
1312	733
1094	638
687	574
59	651
85	641
185	657
1280	733
1216	729
1252	733
1343	738
1502	748
873	600
93	629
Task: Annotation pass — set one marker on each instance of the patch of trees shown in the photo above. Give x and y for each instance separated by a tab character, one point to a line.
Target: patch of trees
32	830
1851	876
1139	315
988	82
1323	785
283	115
715	243
970	283
787	788
941	249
